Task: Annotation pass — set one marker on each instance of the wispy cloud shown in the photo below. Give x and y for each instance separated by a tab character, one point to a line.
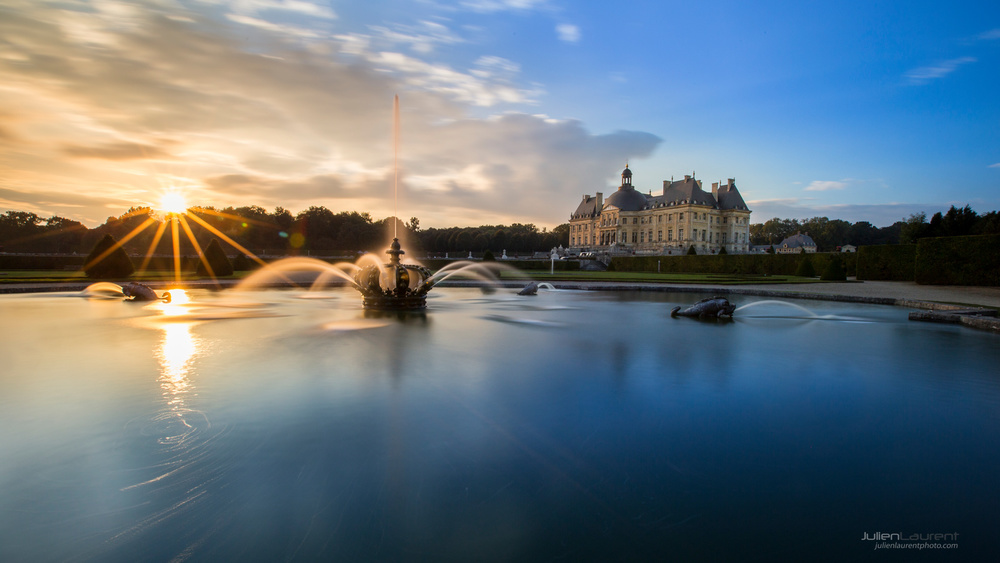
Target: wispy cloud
490	6
925	74
118	151
989	35
826	185
997	165
568	32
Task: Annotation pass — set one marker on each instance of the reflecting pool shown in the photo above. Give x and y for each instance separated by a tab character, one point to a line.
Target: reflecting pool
293	425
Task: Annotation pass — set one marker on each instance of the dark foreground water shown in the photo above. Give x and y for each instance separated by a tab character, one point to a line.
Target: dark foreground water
569	426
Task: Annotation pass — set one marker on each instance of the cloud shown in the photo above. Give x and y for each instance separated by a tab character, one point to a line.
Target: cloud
568	32
491	6
257	116
881	215
989	35
997	165
295	6
925	74
825	185
118	151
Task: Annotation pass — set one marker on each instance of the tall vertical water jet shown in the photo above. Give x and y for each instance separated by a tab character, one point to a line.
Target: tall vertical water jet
394	285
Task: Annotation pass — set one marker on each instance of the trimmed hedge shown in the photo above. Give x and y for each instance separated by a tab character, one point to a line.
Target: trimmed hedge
108	261
41	262
741	264
888	262
970	260
561	265
216	262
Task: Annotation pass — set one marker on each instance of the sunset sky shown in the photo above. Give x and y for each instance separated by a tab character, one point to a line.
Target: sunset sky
511	109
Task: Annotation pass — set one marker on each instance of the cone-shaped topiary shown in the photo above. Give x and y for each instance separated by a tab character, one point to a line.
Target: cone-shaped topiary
834	271
806	269
488	257
692	251
103	263
218	261
722	250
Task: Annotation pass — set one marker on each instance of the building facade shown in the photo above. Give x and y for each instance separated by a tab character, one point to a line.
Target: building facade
683	215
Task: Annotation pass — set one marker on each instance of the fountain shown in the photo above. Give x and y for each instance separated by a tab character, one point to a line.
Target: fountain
394	285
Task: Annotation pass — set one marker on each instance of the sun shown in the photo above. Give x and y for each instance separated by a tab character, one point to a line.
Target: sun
173	202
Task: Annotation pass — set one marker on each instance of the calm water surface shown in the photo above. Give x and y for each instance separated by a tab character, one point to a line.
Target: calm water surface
272	426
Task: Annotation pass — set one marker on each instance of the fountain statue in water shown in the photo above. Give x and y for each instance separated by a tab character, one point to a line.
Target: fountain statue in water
394	285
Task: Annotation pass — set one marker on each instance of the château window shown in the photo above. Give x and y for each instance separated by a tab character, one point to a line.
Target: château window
670	234
659	236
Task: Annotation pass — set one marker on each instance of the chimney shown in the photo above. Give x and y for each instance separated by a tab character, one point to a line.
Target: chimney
731	183
715	190
600	200
687	177
586	197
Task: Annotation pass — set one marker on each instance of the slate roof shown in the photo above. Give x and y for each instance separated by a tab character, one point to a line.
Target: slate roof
797	240
587	208
683	192
730	198
627	199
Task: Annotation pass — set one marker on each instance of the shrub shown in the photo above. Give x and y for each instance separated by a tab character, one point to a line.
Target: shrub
692	251
805	269
722	250
834	270
488	257
104	263
215	262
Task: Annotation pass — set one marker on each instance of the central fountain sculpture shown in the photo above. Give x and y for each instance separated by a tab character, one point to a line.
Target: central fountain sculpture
393	285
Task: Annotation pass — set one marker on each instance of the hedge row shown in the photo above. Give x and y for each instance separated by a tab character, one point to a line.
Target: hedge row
40	262
560	265
970	260
745	264
888	262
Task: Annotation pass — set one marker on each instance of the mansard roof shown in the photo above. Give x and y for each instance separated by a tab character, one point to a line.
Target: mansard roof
730	198
797	240
587	208
682	192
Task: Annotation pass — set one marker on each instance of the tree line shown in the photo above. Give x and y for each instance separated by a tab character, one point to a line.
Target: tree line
316	231
832	233
320	231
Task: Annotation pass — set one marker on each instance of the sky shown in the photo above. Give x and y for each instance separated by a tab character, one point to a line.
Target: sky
510	110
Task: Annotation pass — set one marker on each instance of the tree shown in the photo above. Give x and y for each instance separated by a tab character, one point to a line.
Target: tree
914	227
108	260
722	250
692	251
215	263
